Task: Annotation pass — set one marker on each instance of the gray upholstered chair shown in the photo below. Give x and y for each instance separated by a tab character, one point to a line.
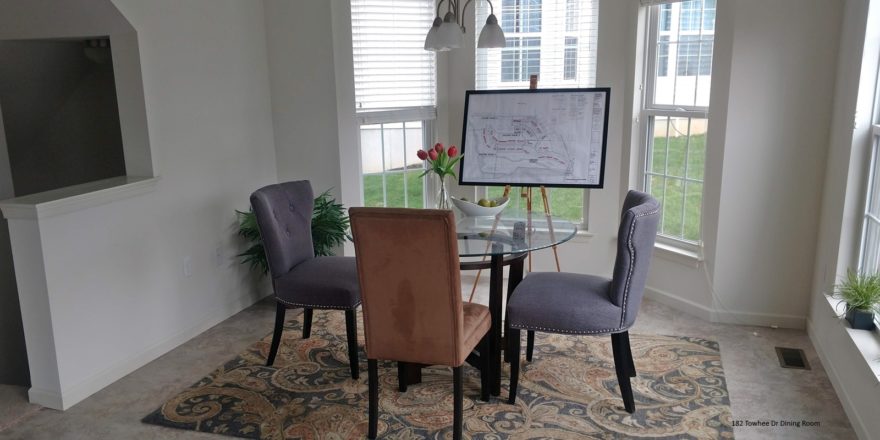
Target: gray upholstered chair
300	279
577	304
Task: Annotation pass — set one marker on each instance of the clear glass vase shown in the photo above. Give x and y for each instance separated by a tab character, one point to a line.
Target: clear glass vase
442	199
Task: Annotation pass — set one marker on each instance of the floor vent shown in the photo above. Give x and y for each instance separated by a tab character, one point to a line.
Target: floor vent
792	358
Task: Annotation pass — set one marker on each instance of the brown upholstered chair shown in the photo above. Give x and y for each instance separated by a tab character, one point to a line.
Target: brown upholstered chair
407	261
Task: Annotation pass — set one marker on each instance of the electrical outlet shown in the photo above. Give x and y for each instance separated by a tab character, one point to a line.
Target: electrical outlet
187	266
218	256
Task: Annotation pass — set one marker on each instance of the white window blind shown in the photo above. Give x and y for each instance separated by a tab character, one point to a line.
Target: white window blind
555	39
392	69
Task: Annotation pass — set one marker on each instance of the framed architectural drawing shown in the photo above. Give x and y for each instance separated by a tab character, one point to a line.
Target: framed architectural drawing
550	137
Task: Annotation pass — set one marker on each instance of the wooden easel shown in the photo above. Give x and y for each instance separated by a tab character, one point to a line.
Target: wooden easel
525	192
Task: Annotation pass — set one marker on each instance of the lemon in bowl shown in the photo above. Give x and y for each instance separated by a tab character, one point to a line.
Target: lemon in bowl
481	208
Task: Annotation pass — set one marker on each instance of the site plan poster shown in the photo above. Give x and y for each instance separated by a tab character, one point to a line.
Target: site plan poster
550	137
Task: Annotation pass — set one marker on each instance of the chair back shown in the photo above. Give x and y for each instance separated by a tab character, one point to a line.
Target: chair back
635	244
284	217
408	267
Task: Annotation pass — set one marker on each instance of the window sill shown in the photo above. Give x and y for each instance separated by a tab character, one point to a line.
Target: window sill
77	197
867	342
582	236
678	255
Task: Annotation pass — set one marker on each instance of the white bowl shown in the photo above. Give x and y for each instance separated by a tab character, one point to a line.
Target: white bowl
472	209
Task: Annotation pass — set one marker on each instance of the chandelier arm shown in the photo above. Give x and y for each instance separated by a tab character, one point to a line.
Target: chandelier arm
439	4
463	12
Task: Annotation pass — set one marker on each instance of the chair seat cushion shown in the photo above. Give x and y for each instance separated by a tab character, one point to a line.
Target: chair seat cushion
477	322
564	303
321	283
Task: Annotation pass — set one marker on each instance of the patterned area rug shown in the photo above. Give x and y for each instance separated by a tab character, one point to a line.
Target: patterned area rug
569	391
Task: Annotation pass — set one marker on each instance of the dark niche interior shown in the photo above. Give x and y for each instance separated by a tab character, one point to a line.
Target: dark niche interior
60	113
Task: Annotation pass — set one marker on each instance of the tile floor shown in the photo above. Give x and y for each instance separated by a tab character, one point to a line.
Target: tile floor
759	388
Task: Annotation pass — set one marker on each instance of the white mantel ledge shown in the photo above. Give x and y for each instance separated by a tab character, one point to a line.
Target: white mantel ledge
77	197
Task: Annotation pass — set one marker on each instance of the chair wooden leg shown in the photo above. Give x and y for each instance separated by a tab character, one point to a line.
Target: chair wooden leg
486	369
629	356
621	366
514	347
530	344
373	378
280	309
401	376
458	395
307	322
351	335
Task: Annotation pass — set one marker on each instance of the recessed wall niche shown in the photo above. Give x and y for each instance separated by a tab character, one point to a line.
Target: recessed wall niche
60	113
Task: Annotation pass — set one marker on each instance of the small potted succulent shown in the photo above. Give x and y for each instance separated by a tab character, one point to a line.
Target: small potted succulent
861	294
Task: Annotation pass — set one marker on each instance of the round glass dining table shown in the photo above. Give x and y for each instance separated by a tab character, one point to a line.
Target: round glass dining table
511	232
505	240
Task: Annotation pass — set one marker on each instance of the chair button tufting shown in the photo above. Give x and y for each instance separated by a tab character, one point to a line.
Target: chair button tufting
292	209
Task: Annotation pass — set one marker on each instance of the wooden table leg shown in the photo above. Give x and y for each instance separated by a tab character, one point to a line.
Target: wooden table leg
496	287
410	373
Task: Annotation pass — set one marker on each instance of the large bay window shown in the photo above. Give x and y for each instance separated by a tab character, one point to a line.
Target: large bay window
395	93
554	39
674	116
869	257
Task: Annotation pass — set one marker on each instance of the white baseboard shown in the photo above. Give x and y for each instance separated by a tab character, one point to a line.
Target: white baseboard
725	316
849	407
681	304
760	319
49	399
76	393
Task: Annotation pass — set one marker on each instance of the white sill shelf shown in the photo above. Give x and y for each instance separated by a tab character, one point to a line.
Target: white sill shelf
867	342
77	197
678	255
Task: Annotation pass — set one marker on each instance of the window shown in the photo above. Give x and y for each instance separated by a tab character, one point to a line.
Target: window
395	93
555	39
571	15
569	68
694	55
520	59
870	254
674	117
663	55
869	257
665	17
520	16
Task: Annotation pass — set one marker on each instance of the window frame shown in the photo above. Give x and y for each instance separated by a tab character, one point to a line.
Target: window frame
867	216
404	112
650	111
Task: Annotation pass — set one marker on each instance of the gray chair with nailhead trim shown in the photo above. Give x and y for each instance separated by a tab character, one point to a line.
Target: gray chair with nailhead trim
578	304
300	279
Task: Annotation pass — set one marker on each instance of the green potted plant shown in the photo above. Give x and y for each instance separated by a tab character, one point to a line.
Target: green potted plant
329	230
861	294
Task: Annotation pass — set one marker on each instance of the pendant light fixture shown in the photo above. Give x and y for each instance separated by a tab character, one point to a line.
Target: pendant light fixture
446	33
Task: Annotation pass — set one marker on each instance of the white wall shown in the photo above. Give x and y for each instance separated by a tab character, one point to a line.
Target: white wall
114	274
299	37
846	166
781	91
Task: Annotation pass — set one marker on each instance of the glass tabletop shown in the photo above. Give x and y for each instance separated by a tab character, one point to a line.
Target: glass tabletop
510	232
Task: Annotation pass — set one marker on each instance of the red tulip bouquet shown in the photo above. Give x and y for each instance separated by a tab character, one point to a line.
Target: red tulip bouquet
441	162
